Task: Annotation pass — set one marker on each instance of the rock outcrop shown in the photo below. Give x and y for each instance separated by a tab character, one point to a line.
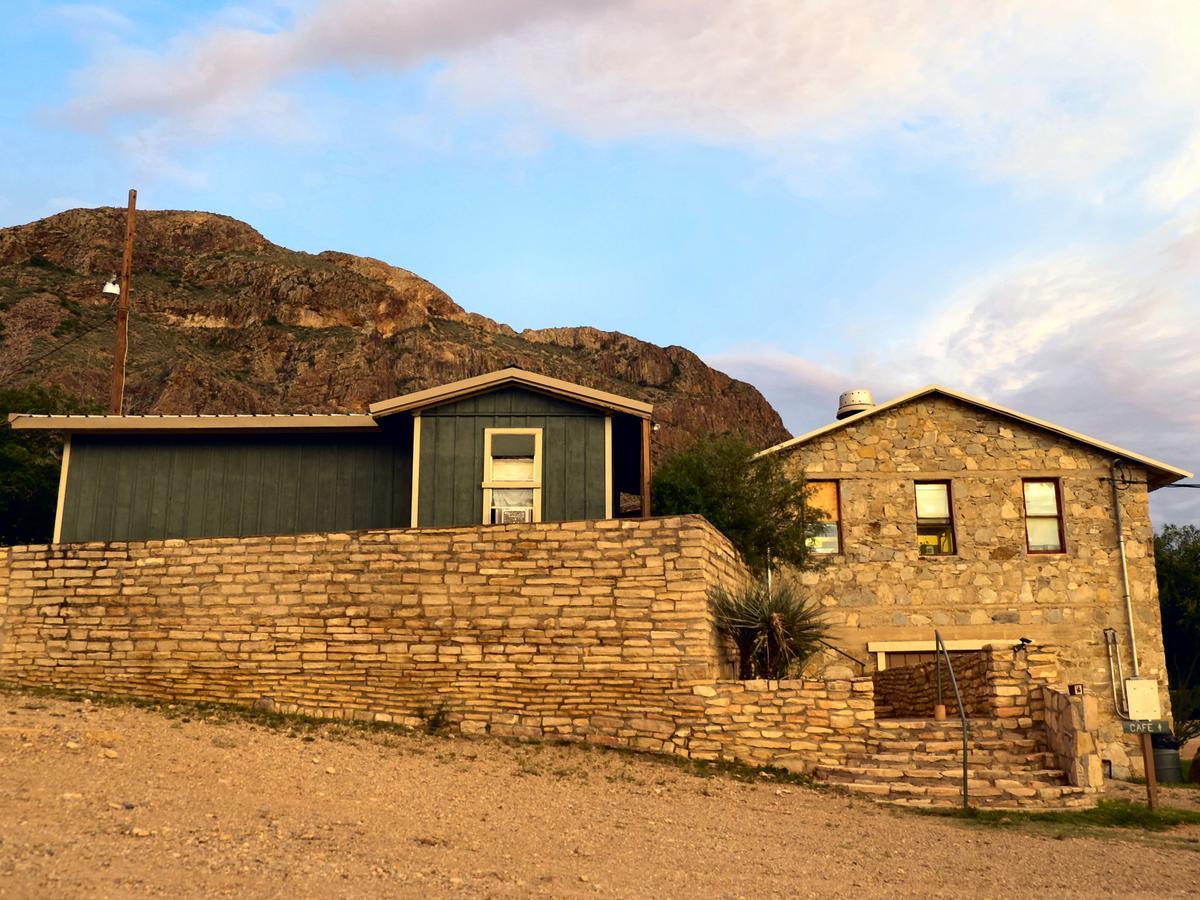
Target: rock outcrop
225	321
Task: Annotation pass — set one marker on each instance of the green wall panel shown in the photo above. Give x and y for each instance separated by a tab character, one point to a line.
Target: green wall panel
124	487
451	469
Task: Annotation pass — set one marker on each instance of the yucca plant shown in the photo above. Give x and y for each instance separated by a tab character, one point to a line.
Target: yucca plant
776	629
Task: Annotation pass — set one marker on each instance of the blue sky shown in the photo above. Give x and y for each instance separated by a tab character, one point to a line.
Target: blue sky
1000	196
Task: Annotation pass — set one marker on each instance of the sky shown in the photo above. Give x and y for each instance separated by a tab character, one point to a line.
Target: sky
998	196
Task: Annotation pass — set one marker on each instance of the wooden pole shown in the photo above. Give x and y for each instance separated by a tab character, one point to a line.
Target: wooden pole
1151	775
117	395
645	468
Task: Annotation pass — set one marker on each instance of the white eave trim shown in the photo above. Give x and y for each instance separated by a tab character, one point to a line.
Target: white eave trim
1167	473
554	386
76	423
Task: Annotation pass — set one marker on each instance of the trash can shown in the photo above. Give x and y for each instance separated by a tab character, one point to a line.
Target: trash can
1168	768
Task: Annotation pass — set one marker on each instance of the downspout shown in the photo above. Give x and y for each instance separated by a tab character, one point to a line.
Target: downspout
1124	567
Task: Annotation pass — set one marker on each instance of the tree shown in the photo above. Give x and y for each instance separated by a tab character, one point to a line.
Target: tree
29	465
1177	560
755	503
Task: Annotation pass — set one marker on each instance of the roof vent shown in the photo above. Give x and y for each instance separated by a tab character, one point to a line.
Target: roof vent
853	402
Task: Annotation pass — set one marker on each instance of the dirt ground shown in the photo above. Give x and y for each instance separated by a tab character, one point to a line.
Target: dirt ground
115	801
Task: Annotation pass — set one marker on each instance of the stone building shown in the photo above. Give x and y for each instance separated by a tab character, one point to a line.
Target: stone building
947	512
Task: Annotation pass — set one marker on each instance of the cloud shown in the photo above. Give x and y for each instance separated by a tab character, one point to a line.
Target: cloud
1083	96
1102	341
90	18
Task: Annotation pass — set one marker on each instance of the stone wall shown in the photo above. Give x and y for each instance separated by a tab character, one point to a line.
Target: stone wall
910	692
1071	726
995	683
594	631
795	724
879	588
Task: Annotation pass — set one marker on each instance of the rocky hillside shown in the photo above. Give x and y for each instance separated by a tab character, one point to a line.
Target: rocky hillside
225	321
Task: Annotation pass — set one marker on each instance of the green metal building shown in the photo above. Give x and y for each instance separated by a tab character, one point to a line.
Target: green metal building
509	446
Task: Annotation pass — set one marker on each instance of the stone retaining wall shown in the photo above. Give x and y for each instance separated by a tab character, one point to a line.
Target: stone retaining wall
995	682
1071	735
595	631
910	692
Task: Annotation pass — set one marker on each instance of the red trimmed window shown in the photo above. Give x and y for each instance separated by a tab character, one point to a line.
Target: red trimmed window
1043	515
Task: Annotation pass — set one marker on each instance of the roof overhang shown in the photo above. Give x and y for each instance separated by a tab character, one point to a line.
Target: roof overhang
468	386
1158	473
159	424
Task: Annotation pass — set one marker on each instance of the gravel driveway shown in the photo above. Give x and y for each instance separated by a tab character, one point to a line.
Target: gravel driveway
113	800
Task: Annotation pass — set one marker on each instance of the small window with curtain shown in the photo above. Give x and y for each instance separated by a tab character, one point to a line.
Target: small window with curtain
1043	516
823	504
935	519
512	475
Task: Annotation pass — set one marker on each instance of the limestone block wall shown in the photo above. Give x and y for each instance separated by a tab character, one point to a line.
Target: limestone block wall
879	588
995	683
1071	727
795	724
910	692
594	631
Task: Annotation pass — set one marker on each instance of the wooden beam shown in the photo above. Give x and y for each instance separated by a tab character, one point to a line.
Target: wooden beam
645	468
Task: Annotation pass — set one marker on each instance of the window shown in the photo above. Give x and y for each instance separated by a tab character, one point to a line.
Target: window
1043	516
512	475
823	501
935	519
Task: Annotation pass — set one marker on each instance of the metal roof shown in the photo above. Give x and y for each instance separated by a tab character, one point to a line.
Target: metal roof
106	423
317	421
1160	472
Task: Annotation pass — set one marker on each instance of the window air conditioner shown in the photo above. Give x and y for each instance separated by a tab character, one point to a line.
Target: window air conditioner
513	515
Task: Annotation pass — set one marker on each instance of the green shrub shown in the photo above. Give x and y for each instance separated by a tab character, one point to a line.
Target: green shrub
775	628
756	503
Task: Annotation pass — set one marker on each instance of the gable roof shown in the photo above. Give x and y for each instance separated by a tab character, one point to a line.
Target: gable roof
1159	473
469	386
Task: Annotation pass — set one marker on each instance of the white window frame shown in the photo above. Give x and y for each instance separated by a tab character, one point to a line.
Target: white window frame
489	484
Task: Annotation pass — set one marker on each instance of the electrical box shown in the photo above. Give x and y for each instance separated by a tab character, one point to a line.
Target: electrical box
1142	696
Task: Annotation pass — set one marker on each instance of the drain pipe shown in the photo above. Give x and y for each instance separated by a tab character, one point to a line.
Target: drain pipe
1124	567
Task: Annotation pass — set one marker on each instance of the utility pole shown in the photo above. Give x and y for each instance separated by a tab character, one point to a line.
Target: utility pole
117	396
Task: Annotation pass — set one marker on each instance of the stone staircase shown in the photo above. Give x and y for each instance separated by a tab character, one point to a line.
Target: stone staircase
918	762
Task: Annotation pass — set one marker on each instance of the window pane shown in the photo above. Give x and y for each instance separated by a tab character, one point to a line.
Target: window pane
823	500
1043	535
512	445
513	470
502	497
935	540
825	538
933	501
1041	498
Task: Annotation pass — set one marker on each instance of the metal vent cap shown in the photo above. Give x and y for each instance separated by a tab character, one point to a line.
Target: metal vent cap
853	402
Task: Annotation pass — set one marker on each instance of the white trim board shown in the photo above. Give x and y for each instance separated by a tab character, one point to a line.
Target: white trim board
416	468
608	468
882	648
62	491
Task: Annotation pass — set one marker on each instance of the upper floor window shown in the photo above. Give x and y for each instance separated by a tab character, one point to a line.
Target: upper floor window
1043	516
935	518
512	475
823	503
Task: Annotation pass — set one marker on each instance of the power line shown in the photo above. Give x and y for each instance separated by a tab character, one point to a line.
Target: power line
5	379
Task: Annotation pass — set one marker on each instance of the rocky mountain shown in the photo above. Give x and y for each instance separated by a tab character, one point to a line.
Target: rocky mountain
225	321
